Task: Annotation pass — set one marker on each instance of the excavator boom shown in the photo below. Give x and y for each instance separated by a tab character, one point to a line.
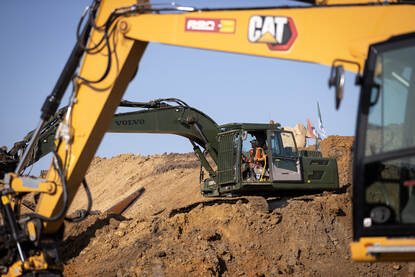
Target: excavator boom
178	120
320	34
158	117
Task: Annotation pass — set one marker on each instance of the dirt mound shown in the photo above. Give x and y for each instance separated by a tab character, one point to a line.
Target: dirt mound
173	231
168	180
340	147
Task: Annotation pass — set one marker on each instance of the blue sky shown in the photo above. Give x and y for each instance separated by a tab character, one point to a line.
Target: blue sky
38	36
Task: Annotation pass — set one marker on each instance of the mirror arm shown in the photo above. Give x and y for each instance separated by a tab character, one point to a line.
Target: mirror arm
347	61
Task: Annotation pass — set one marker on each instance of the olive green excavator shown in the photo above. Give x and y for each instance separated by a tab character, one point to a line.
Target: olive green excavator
232	169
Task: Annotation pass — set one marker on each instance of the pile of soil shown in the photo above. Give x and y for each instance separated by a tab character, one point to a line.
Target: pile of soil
171	230
168	180
341	148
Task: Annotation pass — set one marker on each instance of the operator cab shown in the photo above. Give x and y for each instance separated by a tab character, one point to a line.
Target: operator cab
384	172
263	158
281	161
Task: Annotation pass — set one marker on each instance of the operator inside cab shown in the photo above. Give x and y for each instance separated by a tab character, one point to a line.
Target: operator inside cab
257	154
256	163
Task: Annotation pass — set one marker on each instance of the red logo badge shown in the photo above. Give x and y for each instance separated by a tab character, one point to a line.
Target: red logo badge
278	32
211	25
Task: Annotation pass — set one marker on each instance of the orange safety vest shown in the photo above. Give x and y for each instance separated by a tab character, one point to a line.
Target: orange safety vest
259	153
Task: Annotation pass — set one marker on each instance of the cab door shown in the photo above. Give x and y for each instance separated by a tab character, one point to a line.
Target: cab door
284	160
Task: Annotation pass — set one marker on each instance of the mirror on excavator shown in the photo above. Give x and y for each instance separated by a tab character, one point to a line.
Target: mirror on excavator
337	80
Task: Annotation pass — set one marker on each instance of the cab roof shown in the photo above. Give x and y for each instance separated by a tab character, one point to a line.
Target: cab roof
249	126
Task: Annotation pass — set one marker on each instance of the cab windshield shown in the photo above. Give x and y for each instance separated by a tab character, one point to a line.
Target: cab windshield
390	182
283	144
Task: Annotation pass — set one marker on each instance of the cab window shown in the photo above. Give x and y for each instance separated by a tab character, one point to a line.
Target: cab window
283	145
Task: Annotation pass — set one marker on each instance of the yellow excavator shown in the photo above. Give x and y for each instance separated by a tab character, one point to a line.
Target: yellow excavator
374	39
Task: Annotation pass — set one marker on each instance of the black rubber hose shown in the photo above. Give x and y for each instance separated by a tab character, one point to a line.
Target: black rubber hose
53	100
88	210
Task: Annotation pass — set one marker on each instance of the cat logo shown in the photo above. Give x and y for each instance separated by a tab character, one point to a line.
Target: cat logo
278	32
212	25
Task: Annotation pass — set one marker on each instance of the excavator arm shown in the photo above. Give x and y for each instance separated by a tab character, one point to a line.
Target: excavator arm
155	116
115	36
96	95
181	120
